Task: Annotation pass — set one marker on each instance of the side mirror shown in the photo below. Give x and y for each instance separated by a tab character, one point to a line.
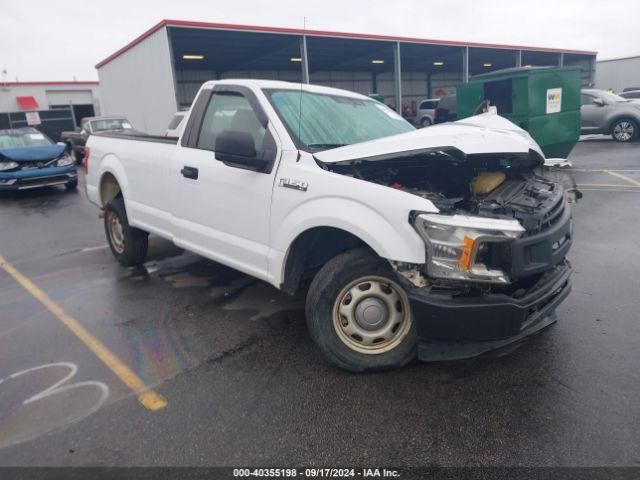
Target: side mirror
599	102
238	149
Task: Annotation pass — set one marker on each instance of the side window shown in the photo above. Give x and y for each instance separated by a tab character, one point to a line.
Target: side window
586	99
229	111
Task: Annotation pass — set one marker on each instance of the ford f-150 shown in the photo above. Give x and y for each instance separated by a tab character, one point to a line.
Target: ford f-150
437	243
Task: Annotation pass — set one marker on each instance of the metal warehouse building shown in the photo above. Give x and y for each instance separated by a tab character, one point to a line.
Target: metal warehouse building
160	71
618	73
82	97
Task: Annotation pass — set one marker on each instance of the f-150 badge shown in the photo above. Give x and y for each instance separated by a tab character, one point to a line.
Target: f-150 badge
295	184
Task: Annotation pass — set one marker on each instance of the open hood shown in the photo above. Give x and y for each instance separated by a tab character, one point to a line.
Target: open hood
481	134
32	154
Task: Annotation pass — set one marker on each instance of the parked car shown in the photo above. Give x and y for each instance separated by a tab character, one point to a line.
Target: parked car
440	243
77	138
629	89
631	94
175	125
609	114
426	112
447	109
30	159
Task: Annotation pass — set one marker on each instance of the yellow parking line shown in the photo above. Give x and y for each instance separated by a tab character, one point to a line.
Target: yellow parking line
147	397
623	177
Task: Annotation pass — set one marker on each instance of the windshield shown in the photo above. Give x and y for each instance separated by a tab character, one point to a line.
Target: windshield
110	124
21	139
330	121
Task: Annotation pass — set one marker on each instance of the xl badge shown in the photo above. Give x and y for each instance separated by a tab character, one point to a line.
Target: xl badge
295	184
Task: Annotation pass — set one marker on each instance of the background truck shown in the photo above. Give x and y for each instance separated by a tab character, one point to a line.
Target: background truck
77	139
439	243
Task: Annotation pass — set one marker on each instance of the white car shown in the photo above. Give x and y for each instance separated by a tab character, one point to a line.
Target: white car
176	124
436	243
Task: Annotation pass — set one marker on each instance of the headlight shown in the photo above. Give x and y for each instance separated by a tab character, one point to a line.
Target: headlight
8	166
65	160
457	243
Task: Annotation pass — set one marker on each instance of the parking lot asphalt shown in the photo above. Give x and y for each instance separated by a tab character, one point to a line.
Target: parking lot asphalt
244	384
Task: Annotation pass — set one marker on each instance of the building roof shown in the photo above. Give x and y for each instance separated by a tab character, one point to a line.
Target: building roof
323	33
632	57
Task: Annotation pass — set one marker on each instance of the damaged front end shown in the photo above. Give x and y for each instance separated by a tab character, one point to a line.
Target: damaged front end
495	253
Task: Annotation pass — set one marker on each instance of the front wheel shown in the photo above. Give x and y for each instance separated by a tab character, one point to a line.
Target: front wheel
71	186
359	315
624	130
128	244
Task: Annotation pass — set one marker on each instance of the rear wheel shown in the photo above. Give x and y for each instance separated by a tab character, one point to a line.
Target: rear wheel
624	130
425	122
128	244
359	315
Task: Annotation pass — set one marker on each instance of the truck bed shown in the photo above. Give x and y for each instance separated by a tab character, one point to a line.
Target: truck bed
139	136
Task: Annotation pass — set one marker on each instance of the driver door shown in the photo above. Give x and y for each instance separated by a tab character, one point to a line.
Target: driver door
222	210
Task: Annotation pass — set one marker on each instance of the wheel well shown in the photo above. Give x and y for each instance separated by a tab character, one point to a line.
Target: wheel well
311	250
617	119
109	188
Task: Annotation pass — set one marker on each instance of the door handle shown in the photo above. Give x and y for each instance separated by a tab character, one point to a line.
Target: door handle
189	172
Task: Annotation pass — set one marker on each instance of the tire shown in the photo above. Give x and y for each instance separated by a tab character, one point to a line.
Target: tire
336	333
128	244
425	122
624	130
71	186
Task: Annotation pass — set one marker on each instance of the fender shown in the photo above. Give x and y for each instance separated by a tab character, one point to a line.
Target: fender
391	240
111	164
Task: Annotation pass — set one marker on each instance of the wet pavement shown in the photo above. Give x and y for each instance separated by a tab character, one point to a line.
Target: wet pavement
244	384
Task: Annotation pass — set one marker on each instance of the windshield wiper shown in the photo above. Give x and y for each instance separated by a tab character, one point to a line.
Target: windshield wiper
326	146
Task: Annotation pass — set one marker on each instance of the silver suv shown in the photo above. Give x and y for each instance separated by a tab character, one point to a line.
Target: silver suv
609	114
426	112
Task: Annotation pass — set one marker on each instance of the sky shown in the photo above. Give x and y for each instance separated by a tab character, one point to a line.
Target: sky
63	40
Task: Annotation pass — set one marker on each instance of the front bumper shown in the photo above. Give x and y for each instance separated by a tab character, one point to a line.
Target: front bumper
455	327
37	177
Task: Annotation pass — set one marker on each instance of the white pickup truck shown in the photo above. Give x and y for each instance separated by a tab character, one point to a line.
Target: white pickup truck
437	243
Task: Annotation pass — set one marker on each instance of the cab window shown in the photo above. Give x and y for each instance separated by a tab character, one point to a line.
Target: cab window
229	111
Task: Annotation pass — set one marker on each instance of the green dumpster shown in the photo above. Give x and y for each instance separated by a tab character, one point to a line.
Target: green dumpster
544	101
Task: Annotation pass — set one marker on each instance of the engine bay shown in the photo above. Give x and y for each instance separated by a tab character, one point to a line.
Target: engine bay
488	185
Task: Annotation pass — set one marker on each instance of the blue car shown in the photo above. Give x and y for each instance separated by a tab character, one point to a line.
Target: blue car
30	159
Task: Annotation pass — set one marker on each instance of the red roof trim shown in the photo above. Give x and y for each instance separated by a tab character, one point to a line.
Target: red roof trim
325	33
18	84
